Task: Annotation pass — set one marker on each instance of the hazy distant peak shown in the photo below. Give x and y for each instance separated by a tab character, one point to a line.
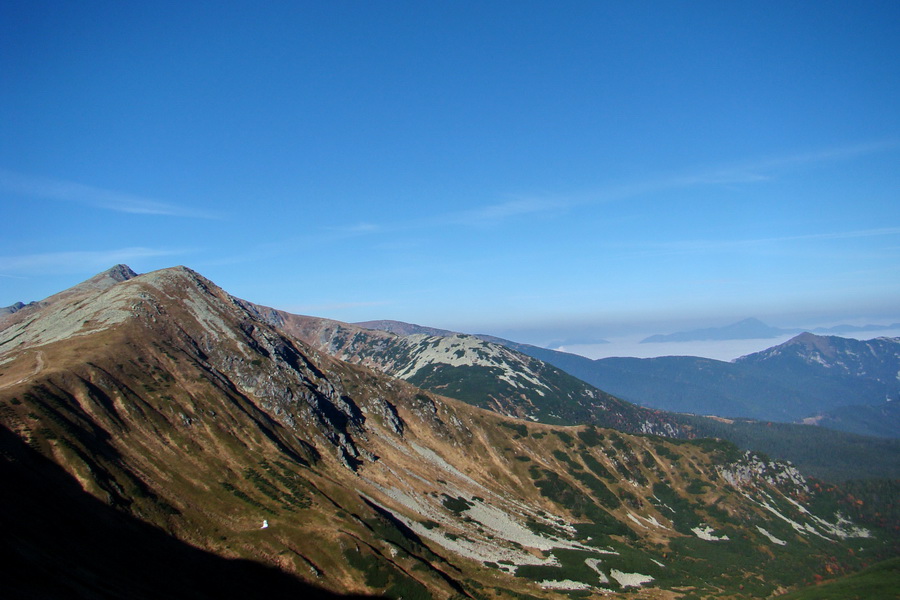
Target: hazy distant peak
742	330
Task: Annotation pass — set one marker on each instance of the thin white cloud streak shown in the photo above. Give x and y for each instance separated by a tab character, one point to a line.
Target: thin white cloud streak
701	246
354	229
69	191
78	261
509	209
747	172
763	169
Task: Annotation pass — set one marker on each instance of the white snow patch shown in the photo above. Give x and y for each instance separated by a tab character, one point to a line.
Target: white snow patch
629	579
806	528
641	520
705	532
566	584
502	524
594	565
479	550
771	537
635	519
799	506
843	528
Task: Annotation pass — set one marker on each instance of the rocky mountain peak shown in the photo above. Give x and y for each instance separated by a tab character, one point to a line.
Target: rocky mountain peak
108	278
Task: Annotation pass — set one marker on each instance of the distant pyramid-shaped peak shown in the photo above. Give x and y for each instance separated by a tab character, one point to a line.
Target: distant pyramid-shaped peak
120	273
107	278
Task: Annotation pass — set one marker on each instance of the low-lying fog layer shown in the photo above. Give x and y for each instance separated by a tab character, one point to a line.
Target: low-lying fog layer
718	349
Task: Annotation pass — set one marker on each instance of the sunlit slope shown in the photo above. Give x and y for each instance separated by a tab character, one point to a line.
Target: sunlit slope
479	372
824	453
169	402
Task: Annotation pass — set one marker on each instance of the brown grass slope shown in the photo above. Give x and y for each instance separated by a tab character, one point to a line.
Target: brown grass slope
175	418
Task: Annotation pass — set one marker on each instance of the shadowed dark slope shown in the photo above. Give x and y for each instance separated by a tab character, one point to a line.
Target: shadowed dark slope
60	542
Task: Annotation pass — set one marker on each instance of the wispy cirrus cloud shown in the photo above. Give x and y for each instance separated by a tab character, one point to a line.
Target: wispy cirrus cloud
747	172
711	245
757	170
78	260
353	229
70	191
766	168
511	208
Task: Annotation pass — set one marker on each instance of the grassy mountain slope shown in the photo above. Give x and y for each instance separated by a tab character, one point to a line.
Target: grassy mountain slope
880	581
479	372
803	377
176	414
821	452
881	419
59	542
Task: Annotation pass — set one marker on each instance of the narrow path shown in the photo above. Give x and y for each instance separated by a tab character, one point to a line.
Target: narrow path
38	367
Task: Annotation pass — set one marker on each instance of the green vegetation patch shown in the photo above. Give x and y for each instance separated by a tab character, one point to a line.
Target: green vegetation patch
598	532
602	493
571	566
520	429
879	581
563	493
596	466
591	437
243	496
565	458
381	574
680	510
564	437
457	505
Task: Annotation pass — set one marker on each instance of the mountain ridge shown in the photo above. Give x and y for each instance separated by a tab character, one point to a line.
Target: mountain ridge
802	377
717	391
167	399
475	370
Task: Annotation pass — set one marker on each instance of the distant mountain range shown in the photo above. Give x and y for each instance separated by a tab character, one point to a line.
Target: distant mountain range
742	330
801	380
750	329
475	370
828	454
160	438
804	377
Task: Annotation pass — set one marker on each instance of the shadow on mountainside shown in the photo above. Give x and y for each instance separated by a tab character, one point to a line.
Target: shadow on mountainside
60	542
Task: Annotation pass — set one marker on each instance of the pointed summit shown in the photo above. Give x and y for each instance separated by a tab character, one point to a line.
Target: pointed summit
109	277
97	283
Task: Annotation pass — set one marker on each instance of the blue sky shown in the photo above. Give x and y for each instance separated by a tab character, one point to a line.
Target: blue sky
528	169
